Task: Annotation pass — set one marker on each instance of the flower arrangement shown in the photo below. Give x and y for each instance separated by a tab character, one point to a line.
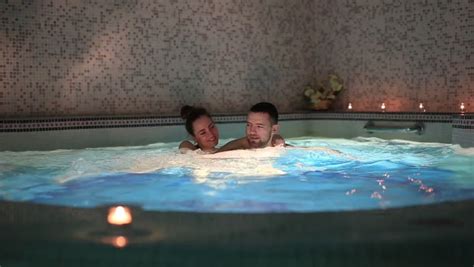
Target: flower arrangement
321	96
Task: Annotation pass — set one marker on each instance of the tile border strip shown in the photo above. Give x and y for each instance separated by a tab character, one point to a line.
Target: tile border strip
462	121
425	117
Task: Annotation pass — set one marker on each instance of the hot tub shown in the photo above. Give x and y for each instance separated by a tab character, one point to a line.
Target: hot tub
333	232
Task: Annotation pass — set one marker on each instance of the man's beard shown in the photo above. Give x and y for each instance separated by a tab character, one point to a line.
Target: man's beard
258	143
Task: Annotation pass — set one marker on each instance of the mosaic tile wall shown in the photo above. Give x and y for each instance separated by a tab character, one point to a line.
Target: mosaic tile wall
128	57
150	57
398	52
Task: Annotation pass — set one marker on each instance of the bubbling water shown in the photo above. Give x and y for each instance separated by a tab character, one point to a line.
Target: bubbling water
315	174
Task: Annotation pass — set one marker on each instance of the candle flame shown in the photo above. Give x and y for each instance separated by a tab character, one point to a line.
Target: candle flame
119	215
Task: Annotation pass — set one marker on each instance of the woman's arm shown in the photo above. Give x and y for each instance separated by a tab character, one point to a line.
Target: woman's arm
186	146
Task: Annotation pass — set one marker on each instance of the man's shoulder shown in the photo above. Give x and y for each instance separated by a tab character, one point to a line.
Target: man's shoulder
241	143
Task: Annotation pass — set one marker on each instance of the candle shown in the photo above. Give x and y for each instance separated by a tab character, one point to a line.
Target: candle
119	215
462	107
349	107
383	106
422	107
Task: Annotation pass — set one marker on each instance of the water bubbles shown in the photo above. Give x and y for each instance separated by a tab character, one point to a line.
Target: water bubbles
376	195
351	192
421	186
366	173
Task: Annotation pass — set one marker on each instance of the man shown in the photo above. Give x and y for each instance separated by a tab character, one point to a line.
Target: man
262	129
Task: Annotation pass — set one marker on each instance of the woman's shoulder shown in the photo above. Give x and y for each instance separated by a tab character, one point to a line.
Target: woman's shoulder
187	145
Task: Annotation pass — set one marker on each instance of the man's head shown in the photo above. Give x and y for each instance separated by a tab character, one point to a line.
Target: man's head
262	123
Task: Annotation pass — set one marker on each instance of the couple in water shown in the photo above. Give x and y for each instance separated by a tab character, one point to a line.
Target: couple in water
262	130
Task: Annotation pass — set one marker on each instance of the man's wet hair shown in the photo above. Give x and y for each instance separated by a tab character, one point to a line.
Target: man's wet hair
265	107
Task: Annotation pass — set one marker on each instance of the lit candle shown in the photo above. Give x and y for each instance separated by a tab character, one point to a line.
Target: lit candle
422	108
119	215
383	106
349	107
462	107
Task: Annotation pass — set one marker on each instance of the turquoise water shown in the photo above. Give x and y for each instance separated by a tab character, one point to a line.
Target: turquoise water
315	175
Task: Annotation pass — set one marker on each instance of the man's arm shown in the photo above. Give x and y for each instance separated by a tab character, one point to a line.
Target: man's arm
240	143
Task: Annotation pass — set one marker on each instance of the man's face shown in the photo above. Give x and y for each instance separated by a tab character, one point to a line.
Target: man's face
260	129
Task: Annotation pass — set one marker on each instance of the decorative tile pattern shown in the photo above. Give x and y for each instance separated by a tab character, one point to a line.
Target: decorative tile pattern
463	130
127	57
54	124
465	121
400	116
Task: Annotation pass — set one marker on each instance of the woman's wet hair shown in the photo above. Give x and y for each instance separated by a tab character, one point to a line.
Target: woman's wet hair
190	114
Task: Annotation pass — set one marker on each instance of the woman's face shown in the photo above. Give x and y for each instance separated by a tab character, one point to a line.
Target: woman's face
205	133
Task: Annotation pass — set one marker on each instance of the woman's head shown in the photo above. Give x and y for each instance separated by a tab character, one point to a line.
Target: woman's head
201	127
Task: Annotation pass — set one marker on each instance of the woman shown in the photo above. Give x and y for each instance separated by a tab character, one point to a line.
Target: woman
201	127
